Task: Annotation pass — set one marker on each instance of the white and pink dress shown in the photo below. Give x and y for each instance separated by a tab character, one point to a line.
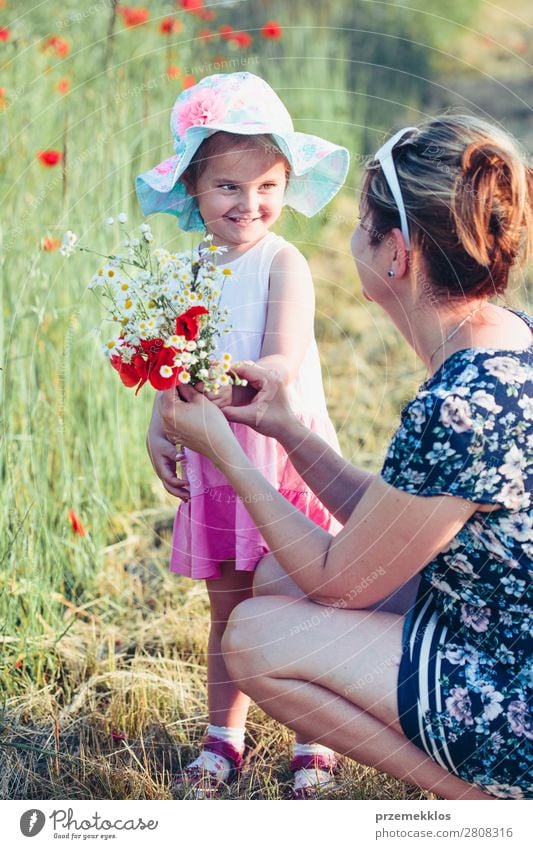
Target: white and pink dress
214	525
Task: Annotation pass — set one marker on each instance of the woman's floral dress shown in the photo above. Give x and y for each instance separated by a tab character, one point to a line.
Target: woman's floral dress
464	687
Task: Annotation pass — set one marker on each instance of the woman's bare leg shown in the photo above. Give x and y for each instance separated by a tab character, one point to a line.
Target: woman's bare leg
331	675
227	705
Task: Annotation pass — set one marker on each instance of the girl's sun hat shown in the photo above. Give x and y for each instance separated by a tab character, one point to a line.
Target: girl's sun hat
245	104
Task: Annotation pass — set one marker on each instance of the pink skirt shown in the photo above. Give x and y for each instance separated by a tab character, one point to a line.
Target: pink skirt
214	525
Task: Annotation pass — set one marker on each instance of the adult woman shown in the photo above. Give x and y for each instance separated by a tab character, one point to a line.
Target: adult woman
439	697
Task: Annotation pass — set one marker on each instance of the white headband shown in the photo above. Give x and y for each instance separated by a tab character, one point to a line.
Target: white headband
386	160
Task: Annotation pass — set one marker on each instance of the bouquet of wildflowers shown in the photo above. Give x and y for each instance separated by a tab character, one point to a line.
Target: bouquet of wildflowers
164	313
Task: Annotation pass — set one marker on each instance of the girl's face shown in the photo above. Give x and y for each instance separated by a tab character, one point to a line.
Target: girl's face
240	196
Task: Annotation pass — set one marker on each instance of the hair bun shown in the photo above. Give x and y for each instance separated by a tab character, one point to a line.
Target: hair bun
489	204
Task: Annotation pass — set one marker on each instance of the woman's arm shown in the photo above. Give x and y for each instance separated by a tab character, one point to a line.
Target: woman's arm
389	538
336	482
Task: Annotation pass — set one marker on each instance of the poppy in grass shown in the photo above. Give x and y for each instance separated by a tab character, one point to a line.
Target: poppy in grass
133	16
242	39
169	25
173	72
57	45
50	244
49	158
271	30
76	523
5	34
191	5
63	86
226	31
188	81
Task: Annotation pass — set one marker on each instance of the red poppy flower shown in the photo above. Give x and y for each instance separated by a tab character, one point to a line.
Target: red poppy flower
76	523
5	34
188	81
187	324
63	86
226	31
133	16
242	39
57	45
50	244
131	374
159	356
173	72
169	25
146	365
191	5
49	157
207	15
271	30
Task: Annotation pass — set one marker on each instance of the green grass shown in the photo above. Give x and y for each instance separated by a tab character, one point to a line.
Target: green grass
99	641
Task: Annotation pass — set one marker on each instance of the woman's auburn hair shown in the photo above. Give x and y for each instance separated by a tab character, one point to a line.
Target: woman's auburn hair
468	195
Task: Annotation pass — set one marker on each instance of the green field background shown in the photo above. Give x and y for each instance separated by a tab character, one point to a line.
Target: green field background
103	652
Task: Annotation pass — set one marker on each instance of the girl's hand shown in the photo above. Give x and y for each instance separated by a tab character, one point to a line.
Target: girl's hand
192	420
163	456
269	412
222	398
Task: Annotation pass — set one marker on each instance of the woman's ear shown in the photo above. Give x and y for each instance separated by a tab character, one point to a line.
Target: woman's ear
399	253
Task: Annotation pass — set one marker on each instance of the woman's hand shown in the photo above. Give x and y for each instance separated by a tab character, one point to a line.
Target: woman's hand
192	420
269	412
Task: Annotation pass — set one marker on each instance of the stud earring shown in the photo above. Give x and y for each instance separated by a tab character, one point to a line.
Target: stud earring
391	273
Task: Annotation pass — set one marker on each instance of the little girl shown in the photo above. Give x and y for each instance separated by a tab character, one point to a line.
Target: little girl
238	161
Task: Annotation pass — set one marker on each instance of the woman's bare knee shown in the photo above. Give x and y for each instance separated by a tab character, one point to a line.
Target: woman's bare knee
236	641
271	579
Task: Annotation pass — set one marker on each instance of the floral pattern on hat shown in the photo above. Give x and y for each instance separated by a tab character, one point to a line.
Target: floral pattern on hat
202	109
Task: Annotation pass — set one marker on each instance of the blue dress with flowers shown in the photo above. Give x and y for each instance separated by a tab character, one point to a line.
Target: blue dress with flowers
466	674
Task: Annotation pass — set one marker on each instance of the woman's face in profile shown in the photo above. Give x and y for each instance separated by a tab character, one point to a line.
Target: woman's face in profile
367	257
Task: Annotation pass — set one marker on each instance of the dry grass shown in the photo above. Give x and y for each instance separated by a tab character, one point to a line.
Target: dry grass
128	706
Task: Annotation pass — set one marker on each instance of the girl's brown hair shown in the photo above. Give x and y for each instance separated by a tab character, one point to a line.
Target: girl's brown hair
222	142
468	195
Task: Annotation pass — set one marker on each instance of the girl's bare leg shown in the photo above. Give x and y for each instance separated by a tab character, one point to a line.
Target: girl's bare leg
227	705
331	675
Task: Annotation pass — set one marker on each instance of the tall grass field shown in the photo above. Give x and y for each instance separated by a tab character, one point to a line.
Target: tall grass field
102	650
